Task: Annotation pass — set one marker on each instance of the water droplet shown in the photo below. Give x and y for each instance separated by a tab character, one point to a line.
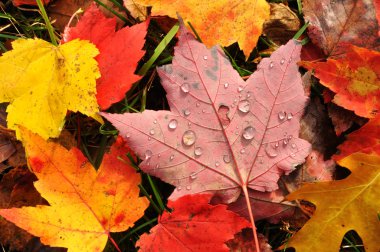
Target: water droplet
248	95
226	158
226	85
290	59
179	188
235	101
188	138
157	166
292	154
151	132
242	151
249	133
171	157
276	145
290	116
205	57
188	187
285	141
173	124
237	133
189	124
271	64
159	155
186	112
193	175
185	87
282	61
155	121
149	138
281	115
270	151
217	163
128	135
198	151
203	111
290	137
240	88
148	154
244	106
197	104
294	145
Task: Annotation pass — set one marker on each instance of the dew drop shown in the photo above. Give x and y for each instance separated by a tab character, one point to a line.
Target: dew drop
276	145
294	145
173	124
149	138
155	121
186	112
179	188
242	151
240	88
281	115
171	157
248	95
188	138
249	133
159	155
157	166
237	133
188	187
244	106
290	59
205	57
148	154
203	111
290	137
185	87
128	135
226	158
197	104
193	175
198	151
270	151
217	163
151	132
271	64
226	85
282	61
290	116
292	154
285	141
189	124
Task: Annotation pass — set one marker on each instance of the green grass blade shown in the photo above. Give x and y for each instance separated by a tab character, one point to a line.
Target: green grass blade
156	193
159	49
301	31
195	32
47	22
299	5
112	11
146	194
136	229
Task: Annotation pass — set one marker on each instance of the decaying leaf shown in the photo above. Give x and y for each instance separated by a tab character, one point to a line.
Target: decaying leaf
242	242
343	205
84	205
28	2
354	78
120	52
193	225
218	22
42	82
336	22
222	134
137	11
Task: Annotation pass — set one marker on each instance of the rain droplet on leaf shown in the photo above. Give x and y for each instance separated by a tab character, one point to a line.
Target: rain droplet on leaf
179	188
242	151
217	163
249	133
155	121
294	145
205	57
226	158
188	187
244	106
226	85
240	88
186	112
188	138
193	175
198	151
148	154
282	61
290	116
171	157
151	132
281	115
185	87
173	124
270	151
271	64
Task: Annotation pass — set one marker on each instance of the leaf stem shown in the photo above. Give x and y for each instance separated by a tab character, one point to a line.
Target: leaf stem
245	190
114	243
47	22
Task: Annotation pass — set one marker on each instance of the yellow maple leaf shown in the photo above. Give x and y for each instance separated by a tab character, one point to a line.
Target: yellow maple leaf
42	81
85	204
218	22
343	205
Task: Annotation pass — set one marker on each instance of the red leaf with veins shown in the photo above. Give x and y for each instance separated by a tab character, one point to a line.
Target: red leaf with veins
120	51
221	134
194	225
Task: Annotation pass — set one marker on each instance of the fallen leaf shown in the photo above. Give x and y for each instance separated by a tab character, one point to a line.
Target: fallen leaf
282	25
242	242
102	201
343	119
377	8
365	140
343	205
120	52
354	78
218	22
137	11
334	23
42	82
193	225
222	134
28	2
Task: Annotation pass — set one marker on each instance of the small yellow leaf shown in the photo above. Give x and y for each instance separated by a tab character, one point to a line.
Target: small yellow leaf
42	81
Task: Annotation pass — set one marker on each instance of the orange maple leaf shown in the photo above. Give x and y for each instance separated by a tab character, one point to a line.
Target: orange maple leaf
85	204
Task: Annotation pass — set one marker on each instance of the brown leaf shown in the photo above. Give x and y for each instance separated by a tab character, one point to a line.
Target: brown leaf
242	242
343	119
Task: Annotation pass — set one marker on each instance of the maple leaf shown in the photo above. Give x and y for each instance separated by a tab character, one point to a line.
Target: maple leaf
42	81
222	134
193	225
354	79
334	23
365	140
343	205
28	2
85	204
218	22
119	50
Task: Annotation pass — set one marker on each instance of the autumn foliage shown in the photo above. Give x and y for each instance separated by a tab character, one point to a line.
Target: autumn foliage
286	134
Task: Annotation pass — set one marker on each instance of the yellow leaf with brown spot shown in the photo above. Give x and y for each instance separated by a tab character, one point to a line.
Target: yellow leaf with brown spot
218	22
355	79
85	204
42	82
342	205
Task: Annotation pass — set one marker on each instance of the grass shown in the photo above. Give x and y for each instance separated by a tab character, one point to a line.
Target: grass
94	139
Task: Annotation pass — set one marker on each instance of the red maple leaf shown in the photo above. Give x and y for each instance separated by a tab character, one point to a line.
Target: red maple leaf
120	52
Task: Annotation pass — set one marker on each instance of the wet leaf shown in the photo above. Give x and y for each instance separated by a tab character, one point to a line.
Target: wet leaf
100	201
